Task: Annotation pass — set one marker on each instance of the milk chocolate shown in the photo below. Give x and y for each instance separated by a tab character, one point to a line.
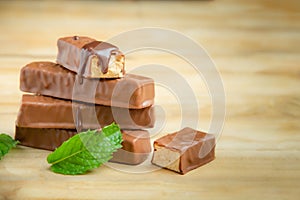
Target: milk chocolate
136	147
39	111
90	58
51	79
184	150
136	143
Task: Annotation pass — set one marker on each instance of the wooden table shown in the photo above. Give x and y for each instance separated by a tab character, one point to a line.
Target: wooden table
255	46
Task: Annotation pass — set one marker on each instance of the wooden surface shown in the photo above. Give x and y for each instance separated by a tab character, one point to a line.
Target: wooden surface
256	47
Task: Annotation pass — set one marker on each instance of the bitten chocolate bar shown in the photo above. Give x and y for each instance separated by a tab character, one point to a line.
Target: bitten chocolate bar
184	150
90	58
39	111
136	143
51	79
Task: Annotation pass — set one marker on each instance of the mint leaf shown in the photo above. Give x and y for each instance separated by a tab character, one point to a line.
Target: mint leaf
6	144
86	150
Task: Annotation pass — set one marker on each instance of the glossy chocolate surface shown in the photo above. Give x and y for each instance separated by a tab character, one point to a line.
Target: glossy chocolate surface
103	51
69	51
51	79
135	150
75	53
39	111
136	147
196	148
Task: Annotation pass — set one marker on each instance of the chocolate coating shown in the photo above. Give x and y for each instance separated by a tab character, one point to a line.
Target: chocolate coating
102	50
39	111
136	143
51	79
136	147
195	148
43	138
69	51
75	53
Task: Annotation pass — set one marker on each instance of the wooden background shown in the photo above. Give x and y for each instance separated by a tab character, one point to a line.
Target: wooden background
255	46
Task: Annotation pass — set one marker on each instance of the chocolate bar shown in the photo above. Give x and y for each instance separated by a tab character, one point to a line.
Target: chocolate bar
90	58
51	79
136	143
184	150
39	111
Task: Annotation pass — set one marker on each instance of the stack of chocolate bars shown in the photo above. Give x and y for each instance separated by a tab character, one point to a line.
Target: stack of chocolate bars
86	89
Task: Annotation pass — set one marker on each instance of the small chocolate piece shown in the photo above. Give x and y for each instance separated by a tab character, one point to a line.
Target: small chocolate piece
90	58
51	79
184	150
136	147
136	143
39	111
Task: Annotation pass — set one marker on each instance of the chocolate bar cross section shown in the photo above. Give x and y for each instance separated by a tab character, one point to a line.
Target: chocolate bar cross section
184	150
90	58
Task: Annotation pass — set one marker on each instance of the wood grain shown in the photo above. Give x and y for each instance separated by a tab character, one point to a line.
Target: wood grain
255	45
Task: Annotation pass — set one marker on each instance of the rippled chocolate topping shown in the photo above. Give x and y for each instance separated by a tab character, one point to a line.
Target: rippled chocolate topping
47	78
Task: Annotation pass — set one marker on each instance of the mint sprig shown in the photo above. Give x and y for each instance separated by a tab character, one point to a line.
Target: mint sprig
6	144
86	150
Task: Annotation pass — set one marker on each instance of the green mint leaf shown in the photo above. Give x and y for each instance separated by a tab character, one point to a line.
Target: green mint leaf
6	144
86	150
